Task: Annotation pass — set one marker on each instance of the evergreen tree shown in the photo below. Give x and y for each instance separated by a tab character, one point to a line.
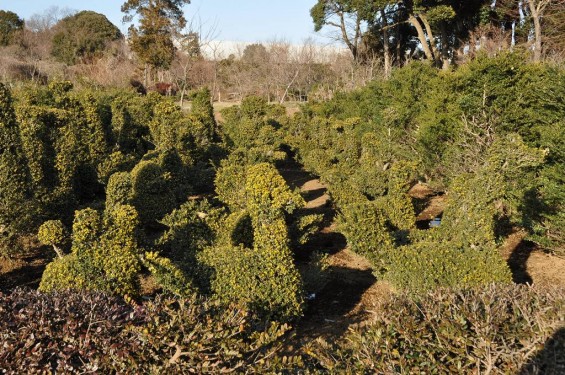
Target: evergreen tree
83	36
159	20
10	25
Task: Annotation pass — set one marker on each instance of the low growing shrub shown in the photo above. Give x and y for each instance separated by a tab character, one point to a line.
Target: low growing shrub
86	332
495	329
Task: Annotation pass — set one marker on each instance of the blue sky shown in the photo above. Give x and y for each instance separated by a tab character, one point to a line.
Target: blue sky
238	20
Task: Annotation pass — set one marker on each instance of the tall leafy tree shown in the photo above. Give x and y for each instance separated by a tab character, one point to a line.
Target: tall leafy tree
152	39
84	35
347	16
10	24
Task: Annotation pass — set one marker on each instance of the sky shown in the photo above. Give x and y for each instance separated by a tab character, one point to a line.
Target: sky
233	20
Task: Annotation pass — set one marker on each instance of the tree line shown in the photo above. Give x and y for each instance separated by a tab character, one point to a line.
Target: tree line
440	31
163	46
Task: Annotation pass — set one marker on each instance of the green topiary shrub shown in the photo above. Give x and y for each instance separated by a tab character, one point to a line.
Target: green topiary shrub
151	192
432	263
53	233
115	162
16	207
203	112
364	226
171	278
107	261
230	185
264	277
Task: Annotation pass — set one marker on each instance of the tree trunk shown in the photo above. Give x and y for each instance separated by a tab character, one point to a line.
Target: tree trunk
58	251
431	39
422	37
145	73
444	47
386	47
182	96
535	12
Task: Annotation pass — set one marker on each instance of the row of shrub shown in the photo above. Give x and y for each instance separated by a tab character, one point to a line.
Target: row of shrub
496	329
137	175
77	332
489	136
493	329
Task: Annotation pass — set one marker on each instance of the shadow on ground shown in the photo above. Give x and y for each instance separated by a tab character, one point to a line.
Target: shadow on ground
333	309
517	261
550	360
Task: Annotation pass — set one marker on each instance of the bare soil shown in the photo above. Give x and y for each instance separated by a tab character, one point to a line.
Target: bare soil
351	293
24	269
530	264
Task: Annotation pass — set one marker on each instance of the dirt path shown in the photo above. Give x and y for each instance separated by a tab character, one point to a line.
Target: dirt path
23	270
529	264
351	292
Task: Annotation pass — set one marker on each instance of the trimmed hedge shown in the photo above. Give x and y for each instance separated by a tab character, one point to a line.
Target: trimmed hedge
495	329
78	332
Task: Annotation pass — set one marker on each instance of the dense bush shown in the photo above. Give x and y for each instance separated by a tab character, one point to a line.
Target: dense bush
495	329
53	233
255	127
69	332
472	133
16	212
106	256
264	277
65	332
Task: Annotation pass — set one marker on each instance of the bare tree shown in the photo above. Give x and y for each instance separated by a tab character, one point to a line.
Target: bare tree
538	10
196	36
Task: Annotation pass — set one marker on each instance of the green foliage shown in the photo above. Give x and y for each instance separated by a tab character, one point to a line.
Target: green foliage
119	190
267	193
191	135
114	163
82	37
432	263
16	211
10	25
230	185
190	229
264	277
131	116
158	21
52	232
151	193
104	256
476	133
456	332
254	127
170	278
303	227
203	110
364	226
